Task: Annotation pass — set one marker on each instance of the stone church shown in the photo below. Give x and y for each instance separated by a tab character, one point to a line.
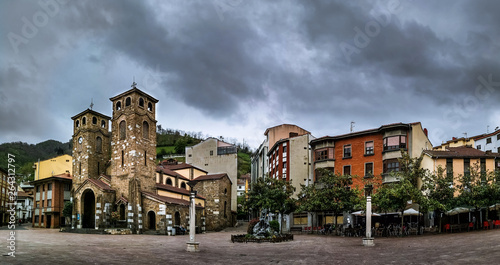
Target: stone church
115	172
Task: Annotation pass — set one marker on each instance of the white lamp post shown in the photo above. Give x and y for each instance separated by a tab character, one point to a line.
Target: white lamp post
192	245
368	240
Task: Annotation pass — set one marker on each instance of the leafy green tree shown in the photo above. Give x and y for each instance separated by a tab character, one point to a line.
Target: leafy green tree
274	195
478	188
330	193
440	191
408	187
68	211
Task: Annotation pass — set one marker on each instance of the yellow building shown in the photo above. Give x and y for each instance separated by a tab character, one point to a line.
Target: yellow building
53	167
458	161
456	142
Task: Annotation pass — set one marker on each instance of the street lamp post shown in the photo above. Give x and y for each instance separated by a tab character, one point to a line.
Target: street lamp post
368	240
192	245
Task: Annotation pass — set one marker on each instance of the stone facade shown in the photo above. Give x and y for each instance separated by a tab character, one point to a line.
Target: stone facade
127	154
91	145
217	191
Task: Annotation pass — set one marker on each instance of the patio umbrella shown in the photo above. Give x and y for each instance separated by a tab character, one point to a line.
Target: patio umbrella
457	211
410	212
362	213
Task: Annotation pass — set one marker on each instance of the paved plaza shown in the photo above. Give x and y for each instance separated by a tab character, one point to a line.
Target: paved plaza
49	246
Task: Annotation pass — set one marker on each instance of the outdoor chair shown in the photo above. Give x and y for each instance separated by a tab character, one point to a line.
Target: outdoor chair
486	225
447	227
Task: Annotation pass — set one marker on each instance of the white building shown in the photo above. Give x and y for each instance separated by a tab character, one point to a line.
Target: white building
489	142
216	156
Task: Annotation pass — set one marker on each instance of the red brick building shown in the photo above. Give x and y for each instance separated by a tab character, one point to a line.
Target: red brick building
50	195
369	153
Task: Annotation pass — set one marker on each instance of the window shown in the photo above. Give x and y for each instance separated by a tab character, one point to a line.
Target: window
37	188
478	147
145	130
183	185
141	102
347	170
394	142
150	106
127	101
169	182
84	120
369	148
94	120
498	137
77	123
49	203
391	165
118	105
321	154
466	166
103	124
498	150
482	163
98	144
145	158
49	186
369	169
449	168
67	187
347	151
123	157
123	130
488	140
211	152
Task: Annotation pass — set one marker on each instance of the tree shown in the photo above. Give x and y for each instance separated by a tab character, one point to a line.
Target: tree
440	191
68	211
274	195
331	193
478	188
396	195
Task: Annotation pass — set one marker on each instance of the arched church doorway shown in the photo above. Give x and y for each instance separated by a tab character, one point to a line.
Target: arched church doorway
88	209
151	220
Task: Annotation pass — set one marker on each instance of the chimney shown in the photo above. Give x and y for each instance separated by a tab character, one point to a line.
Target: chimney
425	132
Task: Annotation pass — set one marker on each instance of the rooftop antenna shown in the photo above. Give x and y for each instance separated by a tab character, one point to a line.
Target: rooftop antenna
352	126
487	129
91	103
465	135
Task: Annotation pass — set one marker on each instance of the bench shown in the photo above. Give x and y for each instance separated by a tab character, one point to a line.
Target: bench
296	229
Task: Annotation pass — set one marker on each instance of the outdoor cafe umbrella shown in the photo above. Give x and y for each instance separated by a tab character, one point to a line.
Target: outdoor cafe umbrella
362	213
457	211
410	212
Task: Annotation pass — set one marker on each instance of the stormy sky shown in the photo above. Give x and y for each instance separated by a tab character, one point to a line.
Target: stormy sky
233	68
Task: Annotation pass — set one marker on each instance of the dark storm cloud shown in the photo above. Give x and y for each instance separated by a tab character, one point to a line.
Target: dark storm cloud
408	60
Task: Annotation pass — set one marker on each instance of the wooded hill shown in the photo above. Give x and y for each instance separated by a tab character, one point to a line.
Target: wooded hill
169	141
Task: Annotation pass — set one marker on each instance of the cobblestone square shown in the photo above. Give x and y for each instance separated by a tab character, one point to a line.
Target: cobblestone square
49	246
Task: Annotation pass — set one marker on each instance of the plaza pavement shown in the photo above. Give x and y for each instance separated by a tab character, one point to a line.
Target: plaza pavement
49	246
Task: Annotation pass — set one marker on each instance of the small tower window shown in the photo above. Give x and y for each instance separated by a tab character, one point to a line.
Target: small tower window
123	128
150	106
127	102
145	130
98	144
141	102
84	120
118	105
94	120
103	123
183	185
77	123
168	182
123	158
145	158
